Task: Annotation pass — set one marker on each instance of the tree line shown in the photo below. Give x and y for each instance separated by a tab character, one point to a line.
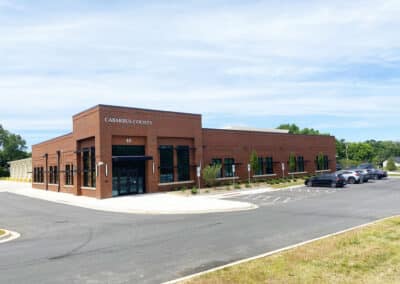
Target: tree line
354	153
12	147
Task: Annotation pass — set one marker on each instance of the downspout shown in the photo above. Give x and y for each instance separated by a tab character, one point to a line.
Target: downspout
46	156
58	171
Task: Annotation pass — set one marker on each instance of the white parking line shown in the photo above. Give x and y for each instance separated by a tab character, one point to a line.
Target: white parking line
267	197
276	199
287	200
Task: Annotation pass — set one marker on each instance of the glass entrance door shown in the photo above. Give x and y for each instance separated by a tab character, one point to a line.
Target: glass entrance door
128	177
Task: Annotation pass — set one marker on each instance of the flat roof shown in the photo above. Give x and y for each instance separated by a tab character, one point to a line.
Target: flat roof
254	129
136	108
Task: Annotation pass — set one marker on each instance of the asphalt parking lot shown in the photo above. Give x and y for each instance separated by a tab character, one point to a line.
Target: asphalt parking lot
295	194
65	244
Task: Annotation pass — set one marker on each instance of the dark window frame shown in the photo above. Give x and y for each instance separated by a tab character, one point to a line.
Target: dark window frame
183	159
217	161
269	165
228	162
166	154
89	167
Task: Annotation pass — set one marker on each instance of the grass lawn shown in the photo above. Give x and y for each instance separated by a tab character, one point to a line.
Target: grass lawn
2	232
367	255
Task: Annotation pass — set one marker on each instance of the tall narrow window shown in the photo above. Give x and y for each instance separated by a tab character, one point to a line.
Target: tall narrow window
326	162
41	175
93	166
89	167
217	161
69	174
35	177
55	175
269	165
300	164
183	163
228	162
51	175
260	166
166	163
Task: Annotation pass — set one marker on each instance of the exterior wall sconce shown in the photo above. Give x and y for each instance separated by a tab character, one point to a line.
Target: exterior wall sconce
128	140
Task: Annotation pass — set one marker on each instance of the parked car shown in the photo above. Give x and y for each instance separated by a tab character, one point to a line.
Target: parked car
373	172
352	176
364	174
333	180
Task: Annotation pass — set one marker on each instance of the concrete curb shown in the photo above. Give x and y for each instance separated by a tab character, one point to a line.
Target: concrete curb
186	278
250	206
8	236
253	191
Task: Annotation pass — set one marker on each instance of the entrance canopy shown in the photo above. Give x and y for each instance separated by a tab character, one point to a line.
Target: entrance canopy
132	158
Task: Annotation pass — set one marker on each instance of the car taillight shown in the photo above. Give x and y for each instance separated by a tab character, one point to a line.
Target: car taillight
357	174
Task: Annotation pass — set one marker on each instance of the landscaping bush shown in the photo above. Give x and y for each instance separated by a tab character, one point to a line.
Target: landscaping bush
237	186
210	174
391	166
194	190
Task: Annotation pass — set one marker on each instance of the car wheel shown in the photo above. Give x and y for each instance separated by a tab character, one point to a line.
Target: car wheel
333	184
375	177
309	183
351	180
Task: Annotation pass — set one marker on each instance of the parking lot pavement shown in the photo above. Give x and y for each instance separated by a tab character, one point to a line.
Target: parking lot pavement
287	195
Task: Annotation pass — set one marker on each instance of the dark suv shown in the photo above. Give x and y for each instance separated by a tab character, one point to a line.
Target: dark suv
332	180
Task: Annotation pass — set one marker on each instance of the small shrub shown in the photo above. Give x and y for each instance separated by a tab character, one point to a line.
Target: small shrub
248	185
391	166
194	190
210	174
237	186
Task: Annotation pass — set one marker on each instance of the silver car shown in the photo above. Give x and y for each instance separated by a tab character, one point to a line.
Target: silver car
352	176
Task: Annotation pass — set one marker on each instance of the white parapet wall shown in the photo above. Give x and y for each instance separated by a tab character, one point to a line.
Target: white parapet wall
21	169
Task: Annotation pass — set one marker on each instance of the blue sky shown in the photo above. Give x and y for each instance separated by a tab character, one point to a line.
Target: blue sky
330	65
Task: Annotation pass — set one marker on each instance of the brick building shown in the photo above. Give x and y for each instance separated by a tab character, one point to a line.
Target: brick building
114	151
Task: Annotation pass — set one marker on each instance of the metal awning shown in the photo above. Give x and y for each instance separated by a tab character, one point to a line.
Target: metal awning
132	158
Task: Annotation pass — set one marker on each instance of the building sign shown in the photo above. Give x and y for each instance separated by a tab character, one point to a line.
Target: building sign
118	120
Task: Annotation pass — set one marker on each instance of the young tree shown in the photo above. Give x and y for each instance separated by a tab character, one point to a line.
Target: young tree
12	147
320	161
254	161
292	162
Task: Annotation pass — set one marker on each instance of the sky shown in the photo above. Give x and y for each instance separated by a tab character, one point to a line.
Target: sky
329	65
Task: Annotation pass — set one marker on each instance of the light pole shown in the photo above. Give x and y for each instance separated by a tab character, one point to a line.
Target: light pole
347	154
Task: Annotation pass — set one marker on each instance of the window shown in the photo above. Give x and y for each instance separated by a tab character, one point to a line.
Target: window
183	163
166	164
269	165
217	161
55	175
300	164
41	175
260	166
326	163
69	174
38	174
323	164
89	167
51	175
228	162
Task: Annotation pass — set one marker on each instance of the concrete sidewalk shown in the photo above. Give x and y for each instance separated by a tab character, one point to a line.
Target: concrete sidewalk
156	203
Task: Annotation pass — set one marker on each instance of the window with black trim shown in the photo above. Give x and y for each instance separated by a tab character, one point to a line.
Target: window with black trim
89	167
300	164
166	163
183	157
69	174
51	175
326	162
217	161
228	171
269	165
260	166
